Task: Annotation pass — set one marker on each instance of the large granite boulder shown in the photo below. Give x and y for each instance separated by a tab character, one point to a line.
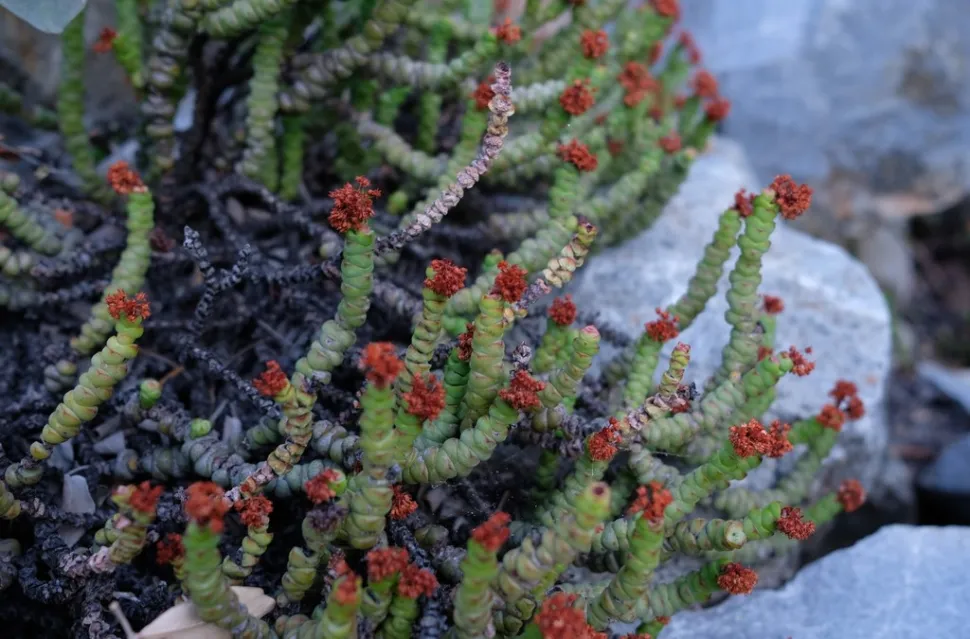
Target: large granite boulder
867	100
901	582
832	304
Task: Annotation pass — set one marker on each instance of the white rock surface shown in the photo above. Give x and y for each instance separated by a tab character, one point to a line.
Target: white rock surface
832	304
901	582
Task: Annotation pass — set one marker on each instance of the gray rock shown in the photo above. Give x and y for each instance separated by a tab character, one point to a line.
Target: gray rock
832	304
950	472
866	100
49	16
822	89
901	582
954	383
36	57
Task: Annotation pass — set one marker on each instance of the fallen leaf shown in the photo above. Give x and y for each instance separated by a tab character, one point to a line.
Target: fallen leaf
182	622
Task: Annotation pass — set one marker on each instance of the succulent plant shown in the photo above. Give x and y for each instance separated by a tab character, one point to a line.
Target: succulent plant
411	396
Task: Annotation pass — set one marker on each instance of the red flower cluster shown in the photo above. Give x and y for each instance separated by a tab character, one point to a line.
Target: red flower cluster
670	143
521	391
105	41
558	618
577	98
348	591
778	444
792	524
381	364
652	500
426	399
753	439
415	582
802	366
637	82
664	328
792	199
737	580
144	498
686	40
667	8
272	381
843	389
448	278
846	395
124	180
207	505
851	495
352	206
483	94
743	203
133	308
578	154
383	563
595	44
602	444
704	84
318	488
772	305
494	532
169	549
508	32
337	564
402	504
254	510
717	109
562	311
831	417
510	282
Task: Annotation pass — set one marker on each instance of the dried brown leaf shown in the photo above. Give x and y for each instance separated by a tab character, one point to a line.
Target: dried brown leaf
182	622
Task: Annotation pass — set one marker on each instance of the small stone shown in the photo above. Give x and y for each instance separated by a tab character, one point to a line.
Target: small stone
185	112
111	445
75	498
63	457
232	430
